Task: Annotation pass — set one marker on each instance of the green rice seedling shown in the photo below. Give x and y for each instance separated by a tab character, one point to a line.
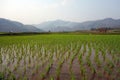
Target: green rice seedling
2	76
83	73
80	57
42	76
12	77
110	65
93	73
51	78
58	70
72	76
48	68
25	78
107	72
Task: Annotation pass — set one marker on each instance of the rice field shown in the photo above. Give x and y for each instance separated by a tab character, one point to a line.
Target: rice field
60	57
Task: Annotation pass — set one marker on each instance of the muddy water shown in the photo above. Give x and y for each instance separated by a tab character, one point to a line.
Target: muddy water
76	69
31	59
65	71
52	71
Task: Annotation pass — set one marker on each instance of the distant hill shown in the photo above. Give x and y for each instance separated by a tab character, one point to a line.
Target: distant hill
31	28
13	26
60	25
57	25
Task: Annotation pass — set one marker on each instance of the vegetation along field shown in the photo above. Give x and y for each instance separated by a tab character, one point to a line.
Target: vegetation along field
60	57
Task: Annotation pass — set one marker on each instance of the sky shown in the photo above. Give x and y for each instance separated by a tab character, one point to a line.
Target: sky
37	11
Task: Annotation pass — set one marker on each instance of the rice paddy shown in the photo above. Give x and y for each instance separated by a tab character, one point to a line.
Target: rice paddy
60	57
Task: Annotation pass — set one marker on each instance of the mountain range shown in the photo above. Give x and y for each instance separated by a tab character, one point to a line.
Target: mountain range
14	26
57	25
60	25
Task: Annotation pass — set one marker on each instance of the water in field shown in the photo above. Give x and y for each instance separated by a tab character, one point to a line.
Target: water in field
61	58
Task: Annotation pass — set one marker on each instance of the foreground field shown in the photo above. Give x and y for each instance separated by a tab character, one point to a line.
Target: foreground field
60	57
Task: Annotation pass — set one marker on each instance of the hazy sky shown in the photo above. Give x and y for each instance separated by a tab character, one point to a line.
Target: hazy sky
37	11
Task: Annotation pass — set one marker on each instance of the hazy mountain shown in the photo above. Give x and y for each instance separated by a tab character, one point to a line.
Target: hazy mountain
31	28
13	26
59	25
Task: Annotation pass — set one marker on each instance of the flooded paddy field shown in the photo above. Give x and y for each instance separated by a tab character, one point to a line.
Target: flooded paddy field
60	57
